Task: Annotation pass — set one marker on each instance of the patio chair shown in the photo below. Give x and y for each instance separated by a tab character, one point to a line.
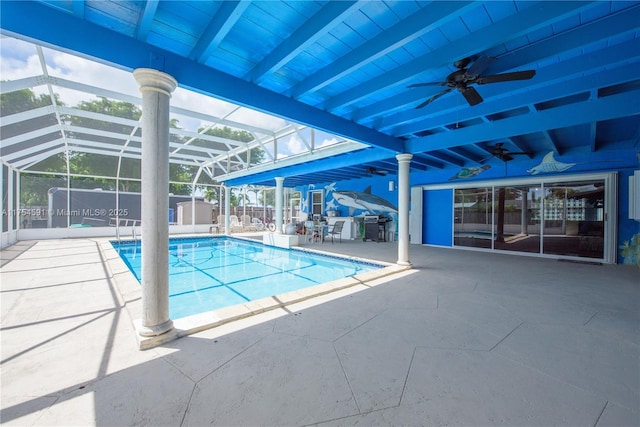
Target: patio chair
310	231
336	230
247	225
234	224
220	222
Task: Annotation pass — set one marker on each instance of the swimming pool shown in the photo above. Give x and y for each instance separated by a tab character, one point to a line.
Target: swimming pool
214	272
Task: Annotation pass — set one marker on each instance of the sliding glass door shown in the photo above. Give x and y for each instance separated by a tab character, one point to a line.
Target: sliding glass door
516	227
574	219
552	217
472	217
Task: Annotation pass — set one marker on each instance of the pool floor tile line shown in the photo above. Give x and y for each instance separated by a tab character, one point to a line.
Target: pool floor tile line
329	364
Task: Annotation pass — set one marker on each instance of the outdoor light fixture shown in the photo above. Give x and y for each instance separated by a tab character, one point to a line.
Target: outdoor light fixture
391	185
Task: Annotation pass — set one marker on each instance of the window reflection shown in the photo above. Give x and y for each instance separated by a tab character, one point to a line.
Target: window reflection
516	227
574	219
564	218
472	213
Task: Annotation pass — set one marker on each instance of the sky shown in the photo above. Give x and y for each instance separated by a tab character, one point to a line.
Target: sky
19	59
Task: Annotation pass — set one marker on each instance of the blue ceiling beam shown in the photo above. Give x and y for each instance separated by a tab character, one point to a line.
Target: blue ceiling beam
223	21
550	142
355	158
533	18
311	30
78	7
146	19
595	32
425	20
607	108
619	23
50	26
593	128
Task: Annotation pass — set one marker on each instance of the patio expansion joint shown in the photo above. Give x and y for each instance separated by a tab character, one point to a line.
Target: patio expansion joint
558	380
196	383
360	412
601	412
506	336
346	378
590	318
406	378
357	327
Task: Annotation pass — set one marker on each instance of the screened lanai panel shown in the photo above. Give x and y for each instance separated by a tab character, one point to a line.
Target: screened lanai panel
11	129
29	143
50	160
129	168
93	164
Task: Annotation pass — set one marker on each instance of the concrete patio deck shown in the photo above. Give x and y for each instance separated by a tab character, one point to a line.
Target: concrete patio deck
466	338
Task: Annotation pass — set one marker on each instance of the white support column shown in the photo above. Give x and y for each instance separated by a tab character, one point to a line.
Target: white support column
2	207
279	200
227	209
403	208
10	196
156	88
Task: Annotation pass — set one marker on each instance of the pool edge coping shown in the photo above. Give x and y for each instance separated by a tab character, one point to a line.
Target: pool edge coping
130	294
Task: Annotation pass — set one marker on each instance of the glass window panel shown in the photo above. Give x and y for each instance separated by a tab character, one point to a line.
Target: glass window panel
316	202
516	225
472	213
574	219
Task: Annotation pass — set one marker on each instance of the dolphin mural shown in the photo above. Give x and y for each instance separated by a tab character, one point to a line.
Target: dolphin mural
363	200
549	165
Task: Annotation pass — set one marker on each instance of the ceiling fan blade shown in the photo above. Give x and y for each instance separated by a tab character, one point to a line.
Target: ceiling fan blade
526	153
373	171
506	77
506	157
471	95
434	97
426	84
479	66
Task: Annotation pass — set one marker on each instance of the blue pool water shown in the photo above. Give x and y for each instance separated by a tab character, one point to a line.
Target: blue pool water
214	272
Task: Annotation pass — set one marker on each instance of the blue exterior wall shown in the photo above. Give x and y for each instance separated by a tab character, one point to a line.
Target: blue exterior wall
437	226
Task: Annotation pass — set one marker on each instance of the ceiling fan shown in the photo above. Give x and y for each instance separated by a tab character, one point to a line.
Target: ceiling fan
498	151
373	171
464	77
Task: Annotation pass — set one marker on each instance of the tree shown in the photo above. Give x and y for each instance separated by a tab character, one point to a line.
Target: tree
96	164
33	187
23	100
210	193
268	197
257	154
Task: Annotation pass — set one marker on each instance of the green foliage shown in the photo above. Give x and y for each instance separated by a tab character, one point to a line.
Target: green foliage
267	197
22	100
256	155
210	193
103	166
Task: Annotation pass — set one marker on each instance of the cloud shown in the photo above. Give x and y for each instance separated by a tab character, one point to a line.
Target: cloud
293	146
327	142
20	60
258	119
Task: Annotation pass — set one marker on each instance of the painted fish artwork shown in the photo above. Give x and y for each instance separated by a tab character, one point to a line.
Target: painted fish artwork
364	200
550	165
469	172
